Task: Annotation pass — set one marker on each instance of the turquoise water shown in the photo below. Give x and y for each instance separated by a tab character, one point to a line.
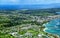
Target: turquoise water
53	27
58	13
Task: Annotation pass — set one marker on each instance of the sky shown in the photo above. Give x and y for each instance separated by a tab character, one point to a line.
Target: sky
19	2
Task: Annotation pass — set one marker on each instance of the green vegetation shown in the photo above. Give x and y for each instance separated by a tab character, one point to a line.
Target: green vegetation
3	35
23	22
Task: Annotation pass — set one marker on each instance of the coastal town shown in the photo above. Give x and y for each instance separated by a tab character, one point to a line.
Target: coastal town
18	25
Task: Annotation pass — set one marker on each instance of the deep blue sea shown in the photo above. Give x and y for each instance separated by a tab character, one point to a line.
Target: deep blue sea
11	7
39	6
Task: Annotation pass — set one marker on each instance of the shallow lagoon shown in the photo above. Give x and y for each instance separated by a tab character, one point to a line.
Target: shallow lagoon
53	27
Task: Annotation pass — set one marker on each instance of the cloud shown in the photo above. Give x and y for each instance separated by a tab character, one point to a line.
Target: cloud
29	1
9	2
40	1
13	1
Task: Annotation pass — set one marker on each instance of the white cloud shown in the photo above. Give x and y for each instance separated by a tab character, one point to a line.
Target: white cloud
13	0
29	1
9	2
